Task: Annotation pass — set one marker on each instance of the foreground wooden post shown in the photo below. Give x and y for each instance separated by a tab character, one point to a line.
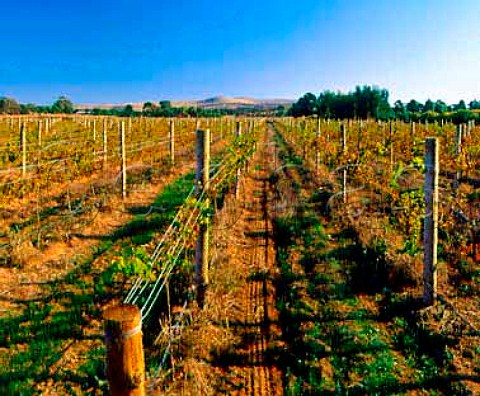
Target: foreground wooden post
201	188
125	360
430	221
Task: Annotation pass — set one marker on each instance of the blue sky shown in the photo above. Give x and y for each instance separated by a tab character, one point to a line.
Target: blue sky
133	51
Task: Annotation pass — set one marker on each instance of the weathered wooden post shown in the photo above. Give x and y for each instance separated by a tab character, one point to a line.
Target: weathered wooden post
391	147
343	132
201	188
412	138
458	140
23	139
430	221
125	359
39	133
172	142
105	144
318	132
359	137
123	154
343	137
459	133
238	133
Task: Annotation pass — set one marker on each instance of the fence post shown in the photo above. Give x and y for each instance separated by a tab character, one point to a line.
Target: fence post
391	146
343	131
172	142
201	187
317	144
23	138
124	159
412	137
238	132
458	140
430	221
105	144
39	133
125	359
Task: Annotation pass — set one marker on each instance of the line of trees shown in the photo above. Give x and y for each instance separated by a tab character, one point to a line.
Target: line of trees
11	106
163	108
364	102
372	102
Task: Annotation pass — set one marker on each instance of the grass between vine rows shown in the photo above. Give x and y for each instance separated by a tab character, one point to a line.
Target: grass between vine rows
56	342
346	331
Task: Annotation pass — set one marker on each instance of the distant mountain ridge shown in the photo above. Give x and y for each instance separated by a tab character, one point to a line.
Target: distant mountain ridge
216	102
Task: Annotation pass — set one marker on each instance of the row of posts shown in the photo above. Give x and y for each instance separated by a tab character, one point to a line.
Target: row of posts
121	149
430	223
125	357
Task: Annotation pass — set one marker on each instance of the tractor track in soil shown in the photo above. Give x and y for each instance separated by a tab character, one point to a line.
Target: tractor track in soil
256	320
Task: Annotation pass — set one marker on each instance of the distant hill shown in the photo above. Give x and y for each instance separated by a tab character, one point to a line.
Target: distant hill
217	102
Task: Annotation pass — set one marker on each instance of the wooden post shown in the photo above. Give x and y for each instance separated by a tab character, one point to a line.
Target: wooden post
412	137
39	133
359	137
343	131
23	137
201	187
391	147
105	144
317	144
124	159
172	142
238	128
458	150
238	132
458	140
430	221
125	359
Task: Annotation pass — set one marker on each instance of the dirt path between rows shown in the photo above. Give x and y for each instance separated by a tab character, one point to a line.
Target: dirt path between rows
250	250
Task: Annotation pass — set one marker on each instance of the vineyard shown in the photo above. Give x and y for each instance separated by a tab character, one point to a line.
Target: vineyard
261	257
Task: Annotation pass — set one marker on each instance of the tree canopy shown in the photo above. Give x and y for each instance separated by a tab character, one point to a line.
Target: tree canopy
9	106
364	102
372	102
63	105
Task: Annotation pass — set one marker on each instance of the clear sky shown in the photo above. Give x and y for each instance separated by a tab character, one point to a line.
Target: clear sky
107	51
